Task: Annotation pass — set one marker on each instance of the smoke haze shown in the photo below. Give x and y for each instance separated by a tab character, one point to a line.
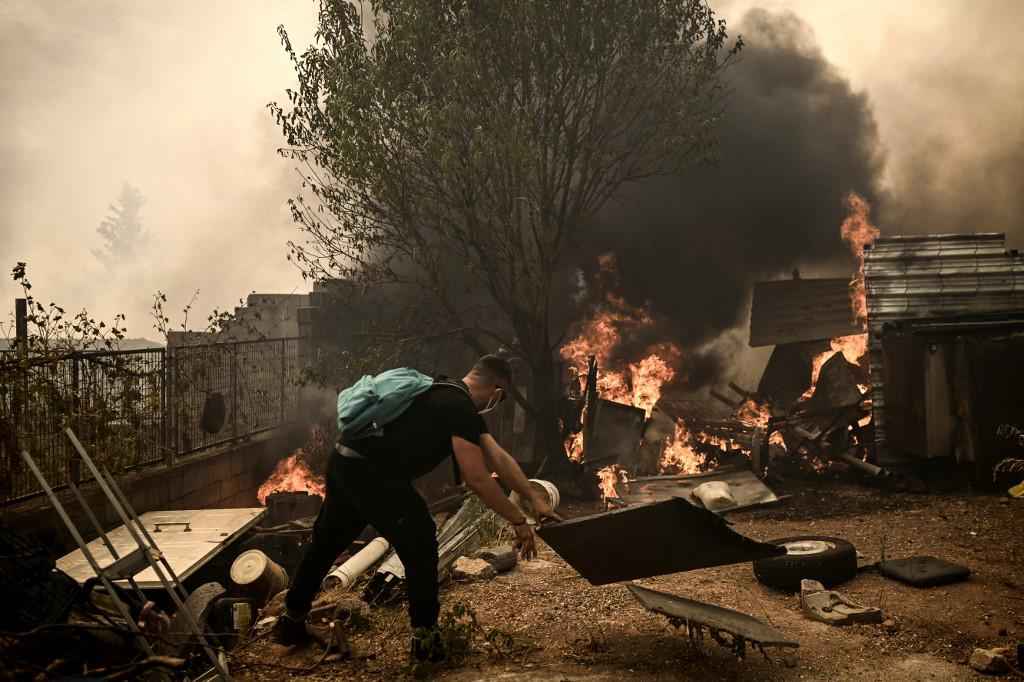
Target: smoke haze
169	97
919	108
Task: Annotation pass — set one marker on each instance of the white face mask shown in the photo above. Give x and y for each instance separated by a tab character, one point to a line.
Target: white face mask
494	401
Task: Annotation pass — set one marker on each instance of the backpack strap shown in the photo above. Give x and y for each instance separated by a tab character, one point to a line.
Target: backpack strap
452	383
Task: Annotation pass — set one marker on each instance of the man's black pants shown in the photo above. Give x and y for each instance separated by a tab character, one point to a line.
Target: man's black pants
359	494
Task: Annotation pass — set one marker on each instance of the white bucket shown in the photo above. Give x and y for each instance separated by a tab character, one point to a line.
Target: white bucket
547	488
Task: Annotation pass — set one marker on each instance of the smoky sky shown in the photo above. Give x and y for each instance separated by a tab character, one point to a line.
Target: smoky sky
171	98
795	139
918	106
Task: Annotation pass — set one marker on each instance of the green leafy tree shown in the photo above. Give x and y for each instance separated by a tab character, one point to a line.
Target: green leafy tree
122	231
459	149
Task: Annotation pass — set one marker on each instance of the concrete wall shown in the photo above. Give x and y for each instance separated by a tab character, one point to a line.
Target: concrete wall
225	477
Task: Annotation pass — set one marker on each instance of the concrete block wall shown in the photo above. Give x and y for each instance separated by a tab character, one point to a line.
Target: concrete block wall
225	477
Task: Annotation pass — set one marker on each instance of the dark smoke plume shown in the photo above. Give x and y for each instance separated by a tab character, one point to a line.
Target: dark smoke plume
795	140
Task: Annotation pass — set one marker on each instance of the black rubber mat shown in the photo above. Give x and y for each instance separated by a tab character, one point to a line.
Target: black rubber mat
924	571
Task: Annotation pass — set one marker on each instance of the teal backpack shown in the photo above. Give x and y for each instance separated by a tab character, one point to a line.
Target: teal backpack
374	401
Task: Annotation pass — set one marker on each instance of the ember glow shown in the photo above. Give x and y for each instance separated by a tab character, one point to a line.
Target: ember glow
292	475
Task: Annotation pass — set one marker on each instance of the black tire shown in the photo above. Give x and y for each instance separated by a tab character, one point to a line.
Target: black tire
830	561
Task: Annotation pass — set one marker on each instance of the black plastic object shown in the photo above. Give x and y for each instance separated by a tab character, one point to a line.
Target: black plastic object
215	412
31	591
650	539
716	618
924	571
830	561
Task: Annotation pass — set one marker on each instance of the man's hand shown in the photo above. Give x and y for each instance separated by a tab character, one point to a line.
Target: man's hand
525	542
543	509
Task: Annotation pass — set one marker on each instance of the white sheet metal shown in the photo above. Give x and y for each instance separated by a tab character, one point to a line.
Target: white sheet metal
211	530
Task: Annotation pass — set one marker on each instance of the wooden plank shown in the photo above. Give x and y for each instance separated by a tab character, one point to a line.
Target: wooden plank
186	551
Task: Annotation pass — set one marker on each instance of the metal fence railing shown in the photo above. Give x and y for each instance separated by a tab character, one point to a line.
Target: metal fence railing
113	400
133	409
220	392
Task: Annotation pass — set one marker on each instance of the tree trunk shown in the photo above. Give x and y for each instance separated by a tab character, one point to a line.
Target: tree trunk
548	448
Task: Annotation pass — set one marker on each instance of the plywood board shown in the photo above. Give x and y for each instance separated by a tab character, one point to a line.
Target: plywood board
211	531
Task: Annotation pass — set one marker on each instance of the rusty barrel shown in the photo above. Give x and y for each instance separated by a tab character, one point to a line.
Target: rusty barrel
258	576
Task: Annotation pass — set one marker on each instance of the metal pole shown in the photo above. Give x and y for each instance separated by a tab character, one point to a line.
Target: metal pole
21	326
133	525
82	545
103	536
20	392
234	390
283	350
164	416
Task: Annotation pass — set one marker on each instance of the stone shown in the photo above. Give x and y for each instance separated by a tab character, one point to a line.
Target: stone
990	661
829	606
890	625
472	569
502	557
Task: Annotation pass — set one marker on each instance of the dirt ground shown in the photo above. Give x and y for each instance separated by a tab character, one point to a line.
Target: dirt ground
564	629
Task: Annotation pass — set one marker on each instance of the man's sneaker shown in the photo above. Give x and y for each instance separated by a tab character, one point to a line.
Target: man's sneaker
290	630
427	646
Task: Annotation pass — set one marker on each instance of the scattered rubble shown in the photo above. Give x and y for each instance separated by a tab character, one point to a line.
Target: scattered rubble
990	661
502	557
727	627
829	606
465	568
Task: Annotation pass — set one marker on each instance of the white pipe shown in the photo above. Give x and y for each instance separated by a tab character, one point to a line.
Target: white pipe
394	566
343	576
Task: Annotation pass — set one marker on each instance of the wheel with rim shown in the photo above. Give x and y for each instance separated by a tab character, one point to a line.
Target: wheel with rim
830	561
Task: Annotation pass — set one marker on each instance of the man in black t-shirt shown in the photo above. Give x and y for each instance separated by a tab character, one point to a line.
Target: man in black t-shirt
369	481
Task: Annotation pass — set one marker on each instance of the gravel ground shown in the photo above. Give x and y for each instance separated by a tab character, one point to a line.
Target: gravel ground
562	628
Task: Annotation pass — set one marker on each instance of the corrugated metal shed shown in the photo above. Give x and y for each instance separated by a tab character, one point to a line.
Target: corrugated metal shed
934	277
793	310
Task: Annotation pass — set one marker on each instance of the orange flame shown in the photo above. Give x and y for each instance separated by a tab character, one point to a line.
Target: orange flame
753	413
292	475
858	233
608	478
632	383
853	348
679	455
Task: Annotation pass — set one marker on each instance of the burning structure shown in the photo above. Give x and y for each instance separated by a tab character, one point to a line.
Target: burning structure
811	402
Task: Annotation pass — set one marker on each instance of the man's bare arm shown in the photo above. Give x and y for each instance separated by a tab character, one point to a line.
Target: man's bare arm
509	471
505	465
476	475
